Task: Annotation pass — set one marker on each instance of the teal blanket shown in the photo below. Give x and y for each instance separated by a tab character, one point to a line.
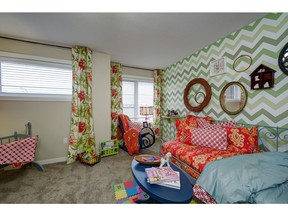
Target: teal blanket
251	178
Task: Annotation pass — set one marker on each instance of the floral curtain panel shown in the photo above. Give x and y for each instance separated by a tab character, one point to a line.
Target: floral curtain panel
82	138
116	97
157	103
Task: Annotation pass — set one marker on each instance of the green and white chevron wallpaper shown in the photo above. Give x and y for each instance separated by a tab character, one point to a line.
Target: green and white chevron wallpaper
263	41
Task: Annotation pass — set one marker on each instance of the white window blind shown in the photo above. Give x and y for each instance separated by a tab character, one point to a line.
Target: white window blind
136	93
34	77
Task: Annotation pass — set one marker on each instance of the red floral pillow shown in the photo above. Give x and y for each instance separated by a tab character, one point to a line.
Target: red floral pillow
209	119
183	127
202	123
206	118
244	138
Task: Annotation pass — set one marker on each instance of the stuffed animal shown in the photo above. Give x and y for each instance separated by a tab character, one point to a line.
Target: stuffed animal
166	160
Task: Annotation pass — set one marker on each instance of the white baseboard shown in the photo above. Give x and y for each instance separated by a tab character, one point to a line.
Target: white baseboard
51	161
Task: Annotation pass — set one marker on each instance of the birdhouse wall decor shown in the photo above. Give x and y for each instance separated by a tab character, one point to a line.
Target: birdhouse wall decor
262	77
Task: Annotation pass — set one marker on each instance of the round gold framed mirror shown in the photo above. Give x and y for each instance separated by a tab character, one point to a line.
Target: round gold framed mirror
197	94
233	98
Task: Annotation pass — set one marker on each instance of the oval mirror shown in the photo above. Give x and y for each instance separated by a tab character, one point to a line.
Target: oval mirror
283	59
242	63
233	98
197	94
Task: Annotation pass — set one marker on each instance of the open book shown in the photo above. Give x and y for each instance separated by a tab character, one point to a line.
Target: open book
157	175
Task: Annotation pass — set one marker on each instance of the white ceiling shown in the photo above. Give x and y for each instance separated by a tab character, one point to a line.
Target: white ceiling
146	40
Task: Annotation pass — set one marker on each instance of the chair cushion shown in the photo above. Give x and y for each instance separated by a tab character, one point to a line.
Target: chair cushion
136	125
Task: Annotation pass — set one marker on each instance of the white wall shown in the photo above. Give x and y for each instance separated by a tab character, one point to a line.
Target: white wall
101	92
137	72
51	119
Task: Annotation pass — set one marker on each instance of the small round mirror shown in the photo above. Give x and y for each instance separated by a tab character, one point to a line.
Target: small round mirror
233	98
283	59
196	94
200	96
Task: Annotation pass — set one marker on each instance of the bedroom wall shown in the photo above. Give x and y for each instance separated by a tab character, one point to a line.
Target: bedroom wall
137	72
263	41
51	119
101	92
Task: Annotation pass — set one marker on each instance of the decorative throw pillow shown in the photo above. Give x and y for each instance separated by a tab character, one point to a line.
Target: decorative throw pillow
136	125
206	118
205	125
209	119
216	139
183	127
202	123
244	138
231	123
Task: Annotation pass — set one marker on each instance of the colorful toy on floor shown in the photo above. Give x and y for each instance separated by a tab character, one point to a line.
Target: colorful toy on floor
89	158
128	192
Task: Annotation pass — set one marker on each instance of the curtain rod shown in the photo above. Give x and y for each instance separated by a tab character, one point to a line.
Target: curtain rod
34	42
136	67
64	47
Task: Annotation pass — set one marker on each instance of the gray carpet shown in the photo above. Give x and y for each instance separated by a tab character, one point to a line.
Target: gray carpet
74	183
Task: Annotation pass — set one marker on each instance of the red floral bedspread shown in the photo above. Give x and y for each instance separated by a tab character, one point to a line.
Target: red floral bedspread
197	156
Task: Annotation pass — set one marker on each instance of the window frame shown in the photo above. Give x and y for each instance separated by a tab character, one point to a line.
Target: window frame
136	79
33	97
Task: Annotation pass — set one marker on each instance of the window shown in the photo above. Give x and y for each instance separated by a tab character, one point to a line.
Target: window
136	94
24	76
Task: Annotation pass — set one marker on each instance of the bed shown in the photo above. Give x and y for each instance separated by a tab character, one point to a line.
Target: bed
260	178
18	150
200	161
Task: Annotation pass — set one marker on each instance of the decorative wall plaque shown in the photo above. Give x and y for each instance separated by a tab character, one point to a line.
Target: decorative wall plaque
262	77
